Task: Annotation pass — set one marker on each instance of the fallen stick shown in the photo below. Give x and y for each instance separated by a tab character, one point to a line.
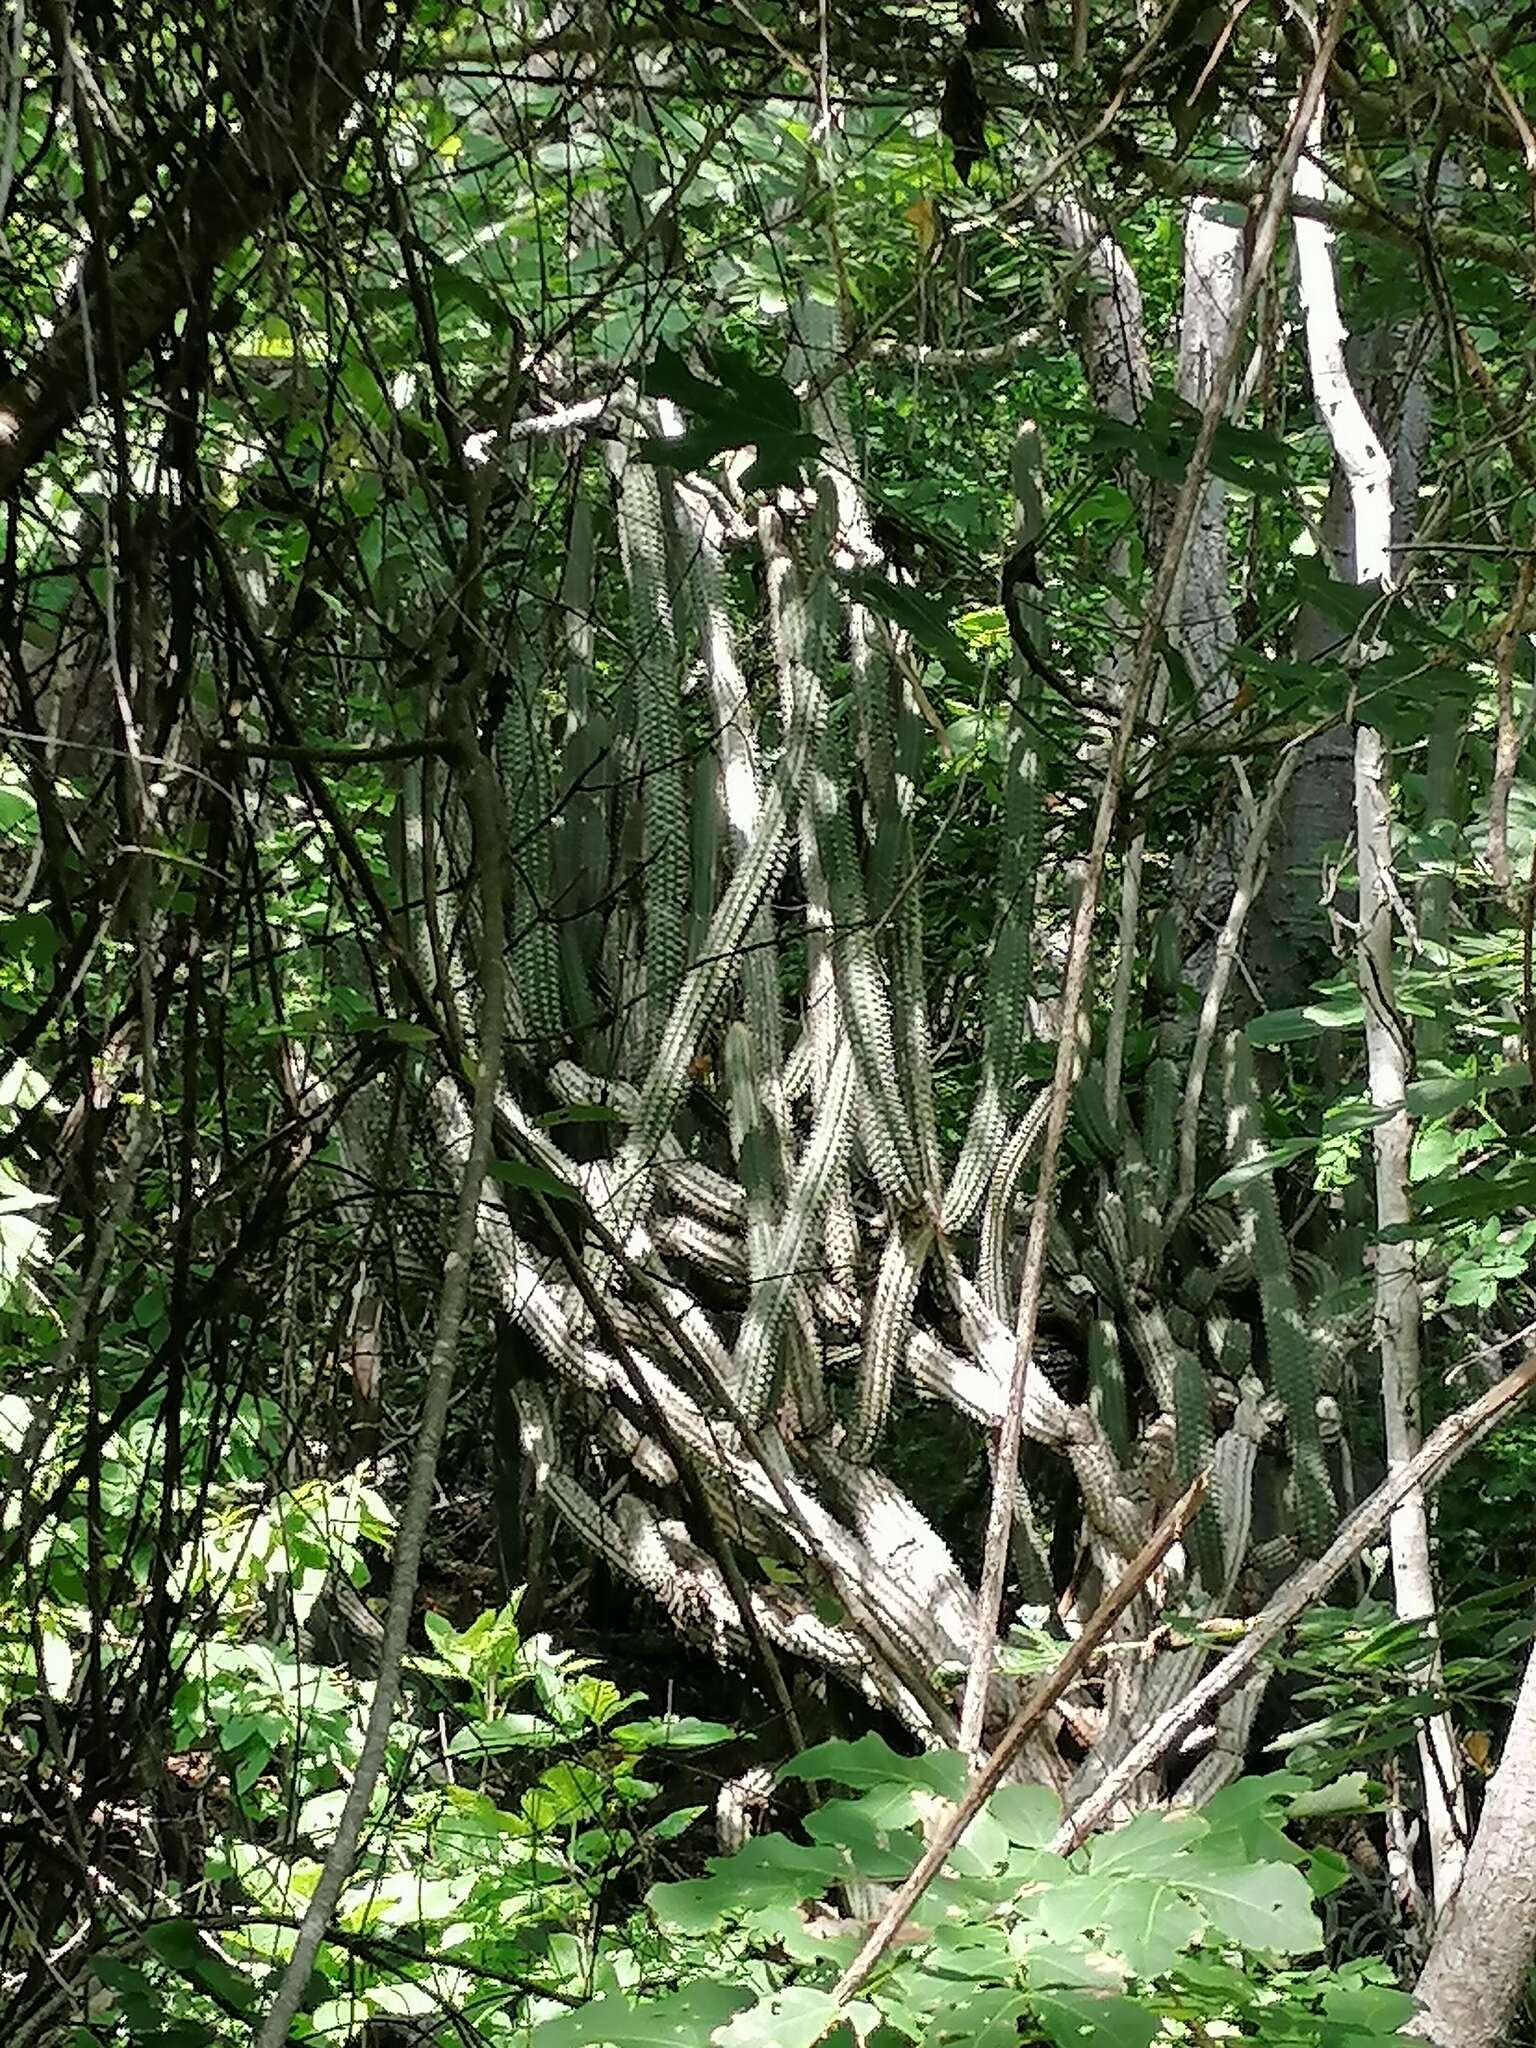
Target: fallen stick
986	1780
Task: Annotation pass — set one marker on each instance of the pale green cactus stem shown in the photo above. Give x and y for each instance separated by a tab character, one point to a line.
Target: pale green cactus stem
1137	1182
759	1347
752	1147
1193	1443
887	1331
903	1543
794	648
1144	1315
442	908
1225	1240
805	1355
1030	1551
664	1085
863	997
1091	1116
1106	1383
704	810
997	1216
739	787
890	743
665	831
582	851
1010	968
1162	1100
1229	1746
1197	1288
1288	1341
1232	1468
909	991
526	768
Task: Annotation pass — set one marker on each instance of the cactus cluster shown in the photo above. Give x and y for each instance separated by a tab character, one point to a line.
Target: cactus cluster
717	980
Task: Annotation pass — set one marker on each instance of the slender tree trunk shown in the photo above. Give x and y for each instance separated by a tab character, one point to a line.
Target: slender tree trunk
1486	1944
1367	470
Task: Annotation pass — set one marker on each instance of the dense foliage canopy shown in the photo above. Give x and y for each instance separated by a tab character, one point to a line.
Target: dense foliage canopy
767	1023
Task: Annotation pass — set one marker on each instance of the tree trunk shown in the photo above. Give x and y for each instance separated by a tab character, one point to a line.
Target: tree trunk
283	110
1367	470
1486	1943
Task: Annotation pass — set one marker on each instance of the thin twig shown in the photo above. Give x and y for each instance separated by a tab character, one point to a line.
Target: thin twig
1000	1520
483	804
985	1781
1458	1434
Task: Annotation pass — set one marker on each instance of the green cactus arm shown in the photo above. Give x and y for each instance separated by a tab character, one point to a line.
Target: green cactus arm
864	1001
665	1083
997	1215
759	1345
1288	1342
1106	1383
1193	1443
525	767
665	830
886	1334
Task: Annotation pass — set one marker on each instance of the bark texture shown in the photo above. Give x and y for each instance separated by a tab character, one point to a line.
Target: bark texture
1367	470
1486	1943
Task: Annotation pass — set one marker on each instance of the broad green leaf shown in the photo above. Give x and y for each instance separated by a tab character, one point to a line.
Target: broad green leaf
1150	1844
1285	1027
683	2019
519	1173
796	2017
1261	1166
1265	1907
870	1761
508	1731
987	2018
181	1947
923	617
1081	2019
746	408
1149	1924
670	1731
878	1851
1031	1814
766	1873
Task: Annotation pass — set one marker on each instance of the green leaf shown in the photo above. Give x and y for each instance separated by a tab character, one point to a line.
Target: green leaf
986	2018
870	1761
509	1731
683	2019
1083	2019
1149	1924
671	1731
1267	1906
578	1113
1262	1165
178	1944
1148	1844
746	408
922	617
797	2017
1031	1814
764	1875
518	1173
1285	1027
